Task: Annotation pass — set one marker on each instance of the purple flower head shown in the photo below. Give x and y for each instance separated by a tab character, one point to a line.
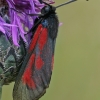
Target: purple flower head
19	22
22	4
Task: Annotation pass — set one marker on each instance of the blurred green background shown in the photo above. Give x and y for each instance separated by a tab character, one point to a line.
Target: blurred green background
76	74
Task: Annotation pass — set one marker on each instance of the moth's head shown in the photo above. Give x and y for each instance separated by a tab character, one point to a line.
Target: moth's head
47	9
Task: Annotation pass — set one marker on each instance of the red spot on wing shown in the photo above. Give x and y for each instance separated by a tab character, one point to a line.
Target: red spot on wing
35	37
52	63
43	38
39	63
41	42
27	76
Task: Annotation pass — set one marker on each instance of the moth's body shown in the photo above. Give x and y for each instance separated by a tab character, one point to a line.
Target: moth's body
31	67
27	58
40	64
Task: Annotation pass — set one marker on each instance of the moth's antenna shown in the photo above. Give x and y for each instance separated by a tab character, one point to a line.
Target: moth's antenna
65	3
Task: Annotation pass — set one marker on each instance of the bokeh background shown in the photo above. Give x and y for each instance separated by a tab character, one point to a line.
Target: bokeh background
76	74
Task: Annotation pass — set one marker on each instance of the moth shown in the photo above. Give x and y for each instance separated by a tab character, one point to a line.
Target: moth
35	74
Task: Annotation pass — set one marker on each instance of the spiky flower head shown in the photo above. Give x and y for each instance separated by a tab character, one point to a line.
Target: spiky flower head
19	20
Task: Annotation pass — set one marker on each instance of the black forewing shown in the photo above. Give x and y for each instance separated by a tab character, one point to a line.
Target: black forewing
40	58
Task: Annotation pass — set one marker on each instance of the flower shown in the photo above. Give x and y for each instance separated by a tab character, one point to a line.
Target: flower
18	18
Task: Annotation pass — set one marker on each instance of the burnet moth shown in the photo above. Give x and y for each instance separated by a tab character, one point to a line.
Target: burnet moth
35	73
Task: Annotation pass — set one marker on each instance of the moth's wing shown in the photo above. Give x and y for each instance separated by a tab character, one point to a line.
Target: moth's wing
35	73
